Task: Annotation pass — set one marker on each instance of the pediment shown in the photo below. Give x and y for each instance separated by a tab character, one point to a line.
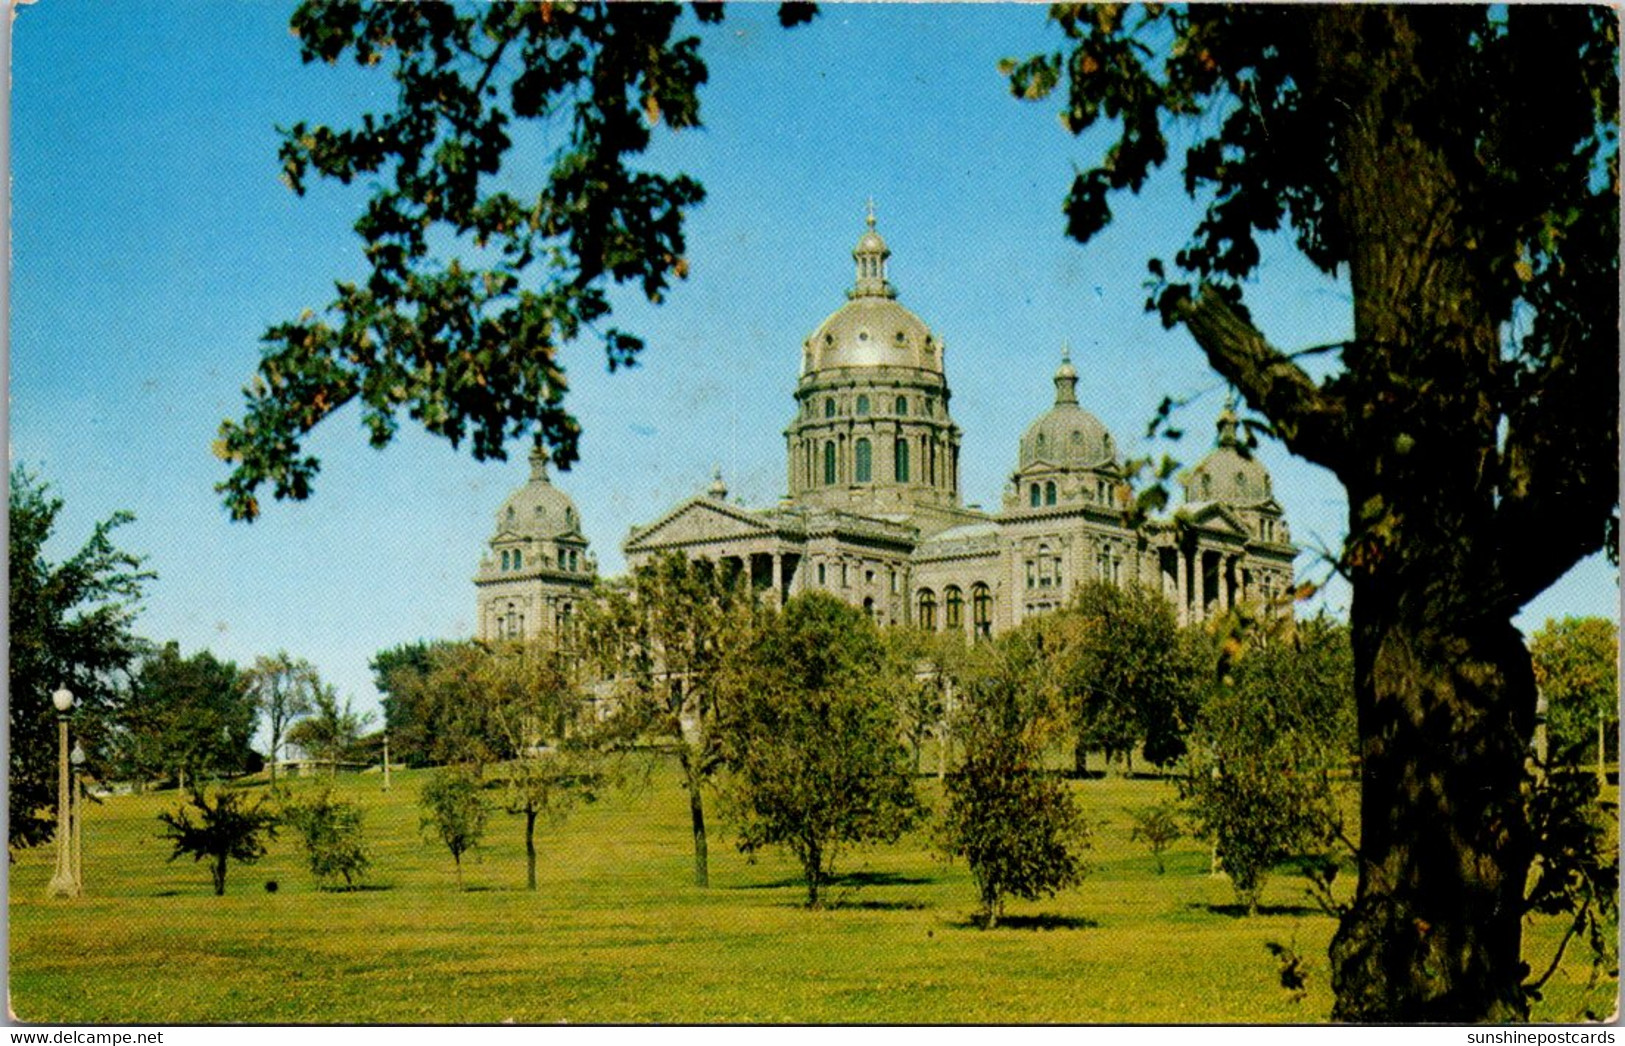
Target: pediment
1215	517
696	521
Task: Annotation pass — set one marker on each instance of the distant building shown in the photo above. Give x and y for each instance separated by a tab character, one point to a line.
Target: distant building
874	512
536	572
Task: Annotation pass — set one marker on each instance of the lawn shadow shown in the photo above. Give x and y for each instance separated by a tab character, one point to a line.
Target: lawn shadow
839	905
852	880
370	888
1239	911
1032	922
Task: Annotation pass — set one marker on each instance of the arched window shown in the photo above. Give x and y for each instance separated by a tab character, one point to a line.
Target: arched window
1207	485
1049	492
572	560
928	610
1241	483
563	559
901	406
953	608
1040	444
829	463
518	559
829	408
1034	496
981	603
863	405
1077	439
865	461
506	564
900	462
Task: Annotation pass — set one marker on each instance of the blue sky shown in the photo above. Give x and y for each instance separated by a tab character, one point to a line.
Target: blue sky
153	244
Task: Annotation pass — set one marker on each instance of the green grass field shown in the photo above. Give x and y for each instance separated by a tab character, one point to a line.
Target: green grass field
616	933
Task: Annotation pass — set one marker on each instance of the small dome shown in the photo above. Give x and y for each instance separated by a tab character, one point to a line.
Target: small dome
538	509
1227	475
1066	435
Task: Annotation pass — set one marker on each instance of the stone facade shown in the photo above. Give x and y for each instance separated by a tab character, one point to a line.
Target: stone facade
874	516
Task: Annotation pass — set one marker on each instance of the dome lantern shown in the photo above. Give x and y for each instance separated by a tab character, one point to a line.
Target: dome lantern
1066	379
870	255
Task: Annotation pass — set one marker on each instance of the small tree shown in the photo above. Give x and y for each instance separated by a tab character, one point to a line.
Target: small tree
454	811
812	740
227	828
331	831
1018	828
1157	826
1276	720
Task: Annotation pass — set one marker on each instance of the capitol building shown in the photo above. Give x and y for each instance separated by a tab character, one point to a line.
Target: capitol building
874	513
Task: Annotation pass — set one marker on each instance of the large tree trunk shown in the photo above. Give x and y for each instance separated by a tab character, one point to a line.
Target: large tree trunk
696	809
1446	716
218	870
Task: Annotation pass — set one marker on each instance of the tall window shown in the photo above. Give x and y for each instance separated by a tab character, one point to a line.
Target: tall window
829	408
865	461
829	463
572	560
1049	492
563	558
518	559
900	463
821	579
928	610
901	407
863	405
1034	496
981	603
953	608
507	563
1046	568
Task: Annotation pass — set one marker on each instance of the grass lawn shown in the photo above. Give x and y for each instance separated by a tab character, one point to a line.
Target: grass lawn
616	933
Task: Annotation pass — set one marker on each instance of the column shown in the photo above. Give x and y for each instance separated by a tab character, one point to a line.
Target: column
1224	584
778	578
1181	597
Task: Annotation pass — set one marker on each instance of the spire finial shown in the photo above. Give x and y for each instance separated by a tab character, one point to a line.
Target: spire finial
718	489
870	219
538	465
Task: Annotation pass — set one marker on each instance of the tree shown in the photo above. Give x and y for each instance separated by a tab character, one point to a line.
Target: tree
332	730
1157	826
284	689
1272	727
554	755
68	625
186	718
663	640
470	347
330	829
1460	164
811	739
1576	664
1123	668
1018	828
227	828
399	673
455	811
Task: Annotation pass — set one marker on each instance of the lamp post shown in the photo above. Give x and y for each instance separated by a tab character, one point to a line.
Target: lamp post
76	814
63	883
386	760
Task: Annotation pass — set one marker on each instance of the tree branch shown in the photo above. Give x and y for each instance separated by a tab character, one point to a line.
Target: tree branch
1311	422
